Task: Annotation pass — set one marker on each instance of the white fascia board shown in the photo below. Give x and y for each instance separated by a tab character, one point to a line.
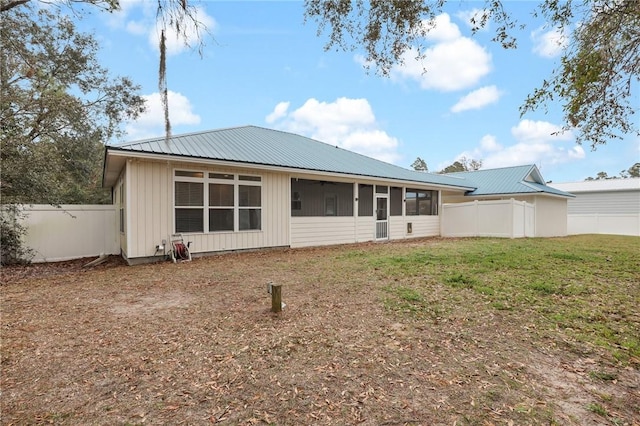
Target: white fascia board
519	194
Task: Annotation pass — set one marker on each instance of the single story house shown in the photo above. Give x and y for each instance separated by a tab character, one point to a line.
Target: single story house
250	187
603	206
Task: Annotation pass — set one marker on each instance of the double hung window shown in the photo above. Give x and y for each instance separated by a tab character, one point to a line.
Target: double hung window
233	202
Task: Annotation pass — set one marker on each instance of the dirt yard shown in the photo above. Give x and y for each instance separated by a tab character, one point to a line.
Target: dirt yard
195	343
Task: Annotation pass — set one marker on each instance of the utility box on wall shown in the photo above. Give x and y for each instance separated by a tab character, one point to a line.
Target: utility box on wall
409	227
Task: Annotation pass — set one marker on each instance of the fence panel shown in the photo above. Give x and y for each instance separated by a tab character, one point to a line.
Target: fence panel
500	218
71	231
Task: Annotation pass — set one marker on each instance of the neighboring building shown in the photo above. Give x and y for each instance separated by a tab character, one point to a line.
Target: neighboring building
605	206
250	187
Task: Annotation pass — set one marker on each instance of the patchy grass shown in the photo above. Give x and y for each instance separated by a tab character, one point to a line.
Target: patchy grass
434	331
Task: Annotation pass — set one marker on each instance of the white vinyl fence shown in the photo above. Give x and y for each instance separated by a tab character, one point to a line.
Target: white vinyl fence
71	231
601	223
500	218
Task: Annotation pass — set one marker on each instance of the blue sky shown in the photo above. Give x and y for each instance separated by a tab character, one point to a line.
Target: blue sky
262	65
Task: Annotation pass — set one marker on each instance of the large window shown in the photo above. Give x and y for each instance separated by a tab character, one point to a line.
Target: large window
234	202
421	202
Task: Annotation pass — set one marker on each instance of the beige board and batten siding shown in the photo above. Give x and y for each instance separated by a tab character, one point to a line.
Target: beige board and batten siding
151	210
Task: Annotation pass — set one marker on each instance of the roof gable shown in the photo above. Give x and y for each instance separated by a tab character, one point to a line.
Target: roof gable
525	179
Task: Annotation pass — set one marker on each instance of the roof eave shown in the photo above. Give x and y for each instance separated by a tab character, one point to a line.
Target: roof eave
123	152
518	194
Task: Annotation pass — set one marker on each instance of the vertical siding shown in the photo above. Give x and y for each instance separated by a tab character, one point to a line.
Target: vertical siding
152	214
147	212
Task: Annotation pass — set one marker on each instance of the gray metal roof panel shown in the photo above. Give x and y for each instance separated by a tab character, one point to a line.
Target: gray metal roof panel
261	146
508	180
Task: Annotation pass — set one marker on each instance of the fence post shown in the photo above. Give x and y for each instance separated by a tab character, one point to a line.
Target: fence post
276	297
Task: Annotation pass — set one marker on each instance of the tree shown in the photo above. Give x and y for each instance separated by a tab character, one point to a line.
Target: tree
179	15
57	107
595	77
420	165
462	165
631	172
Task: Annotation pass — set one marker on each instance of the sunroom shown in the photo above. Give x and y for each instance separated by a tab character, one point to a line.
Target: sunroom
333	212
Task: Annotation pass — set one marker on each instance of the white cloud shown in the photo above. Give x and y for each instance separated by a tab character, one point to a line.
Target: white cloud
151	123
477	99
453	63
348	123
541	131
489	143
536	143
550	43
441	29
136	28
278	112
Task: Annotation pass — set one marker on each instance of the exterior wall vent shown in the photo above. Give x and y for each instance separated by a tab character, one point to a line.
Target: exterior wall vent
409	227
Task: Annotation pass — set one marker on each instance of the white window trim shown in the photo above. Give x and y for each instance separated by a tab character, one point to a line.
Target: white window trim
206	180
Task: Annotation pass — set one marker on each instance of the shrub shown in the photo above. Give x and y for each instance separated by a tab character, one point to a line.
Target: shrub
12	231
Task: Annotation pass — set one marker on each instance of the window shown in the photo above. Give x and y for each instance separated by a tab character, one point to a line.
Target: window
121	194
221	207
233	203
421	202
250	204
189	206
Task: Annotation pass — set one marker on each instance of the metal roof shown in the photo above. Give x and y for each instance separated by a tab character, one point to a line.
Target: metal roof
261	146
267	147
508	180
599	185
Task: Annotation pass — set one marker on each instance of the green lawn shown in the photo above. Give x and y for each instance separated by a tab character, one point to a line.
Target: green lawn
586	286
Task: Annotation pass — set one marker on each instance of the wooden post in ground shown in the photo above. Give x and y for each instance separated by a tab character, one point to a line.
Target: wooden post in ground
276	297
